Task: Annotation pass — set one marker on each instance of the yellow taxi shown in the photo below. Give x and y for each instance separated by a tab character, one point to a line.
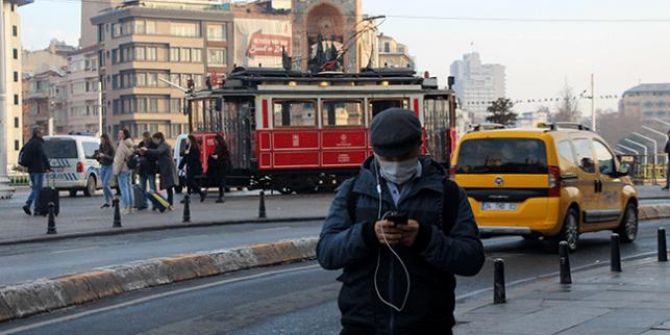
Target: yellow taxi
555	182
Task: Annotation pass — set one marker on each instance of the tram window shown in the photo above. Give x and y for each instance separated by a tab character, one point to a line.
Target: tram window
380	105
294	113
342	113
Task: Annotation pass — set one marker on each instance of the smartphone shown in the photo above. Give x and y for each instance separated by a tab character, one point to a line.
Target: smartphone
398	219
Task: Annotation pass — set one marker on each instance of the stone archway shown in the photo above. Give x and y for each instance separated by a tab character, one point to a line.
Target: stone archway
325	20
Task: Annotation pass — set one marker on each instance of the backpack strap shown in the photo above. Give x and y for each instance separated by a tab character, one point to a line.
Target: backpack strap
449	205
352	198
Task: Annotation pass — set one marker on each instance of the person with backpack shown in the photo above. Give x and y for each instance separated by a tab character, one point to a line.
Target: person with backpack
34	158
147	168
105	156
400	230
123	168
191	160
166	166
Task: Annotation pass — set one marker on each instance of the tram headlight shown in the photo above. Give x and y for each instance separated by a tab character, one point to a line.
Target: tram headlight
385	83
324	84
292	83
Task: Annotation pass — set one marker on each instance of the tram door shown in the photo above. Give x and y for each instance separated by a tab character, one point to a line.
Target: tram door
436	123
379	105
238	123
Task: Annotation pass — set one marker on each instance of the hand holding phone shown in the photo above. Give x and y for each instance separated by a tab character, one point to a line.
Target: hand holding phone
398	219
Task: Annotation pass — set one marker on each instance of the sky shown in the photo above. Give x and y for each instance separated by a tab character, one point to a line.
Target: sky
540	57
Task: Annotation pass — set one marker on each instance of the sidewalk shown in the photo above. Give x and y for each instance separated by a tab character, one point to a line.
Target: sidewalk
636	301
82	216
652	191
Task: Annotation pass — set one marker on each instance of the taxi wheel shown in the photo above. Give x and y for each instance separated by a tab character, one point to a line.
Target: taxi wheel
570	231
627	229
90	186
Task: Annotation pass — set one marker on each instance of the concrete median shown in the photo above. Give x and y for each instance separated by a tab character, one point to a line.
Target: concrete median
18	301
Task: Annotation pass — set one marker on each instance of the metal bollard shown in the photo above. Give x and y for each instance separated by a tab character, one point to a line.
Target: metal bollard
261	207
564	258
615	254
662	246
499	281
187	209
51	226
117	213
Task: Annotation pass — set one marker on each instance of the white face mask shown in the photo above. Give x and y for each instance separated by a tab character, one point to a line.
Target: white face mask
398	172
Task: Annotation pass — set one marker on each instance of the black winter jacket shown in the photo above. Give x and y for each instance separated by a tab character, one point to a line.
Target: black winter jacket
192	162
35	156
148	164
432	261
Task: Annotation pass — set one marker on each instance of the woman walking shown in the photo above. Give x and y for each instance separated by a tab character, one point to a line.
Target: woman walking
217	165
166	167
106	159
193	163
123	154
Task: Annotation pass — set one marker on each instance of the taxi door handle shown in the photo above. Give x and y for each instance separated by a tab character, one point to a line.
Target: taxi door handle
599	186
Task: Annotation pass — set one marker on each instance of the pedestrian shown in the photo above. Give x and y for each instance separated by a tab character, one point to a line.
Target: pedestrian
193	163
147	169
34	158
218	165
165	162
122	172
667	172
105	156
400	231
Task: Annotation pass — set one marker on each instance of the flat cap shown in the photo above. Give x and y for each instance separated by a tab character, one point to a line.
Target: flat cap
395	132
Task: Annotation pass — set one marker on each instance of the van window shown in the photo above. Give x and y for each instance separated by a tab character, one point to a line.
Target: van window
61	148
584	153
565	151
605	158
502	155
89	149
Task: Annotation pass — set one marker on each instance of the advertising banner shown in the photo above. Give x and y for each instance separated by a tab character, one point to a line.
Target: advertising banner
260	41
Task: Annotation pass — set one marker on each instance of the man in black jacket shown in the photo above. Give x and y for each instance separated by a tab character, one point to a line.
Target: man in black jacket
35	159
147	168
400	231
667	174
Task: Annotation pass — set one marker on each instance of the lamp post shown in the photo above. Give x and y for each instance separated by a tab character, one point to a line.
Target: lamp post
640	145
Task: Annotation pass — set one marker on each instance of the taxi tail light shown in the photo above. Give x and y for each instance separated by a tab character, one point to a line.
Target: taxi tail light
554	181
80	167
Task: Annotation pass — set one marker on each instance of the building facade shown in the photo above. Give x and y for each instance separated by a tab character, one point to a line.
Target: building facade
52	57
393	54
44	102
89	9
144	44
477	84
81	84
334	23
647	101
11	118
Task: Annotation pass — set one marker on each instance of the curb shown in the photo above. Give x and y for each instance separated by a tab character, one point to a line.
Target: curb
45	295
654	212
124	230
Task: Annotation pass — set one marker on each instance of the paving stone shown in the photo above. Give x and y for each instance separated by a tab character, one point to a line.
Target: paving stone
551	320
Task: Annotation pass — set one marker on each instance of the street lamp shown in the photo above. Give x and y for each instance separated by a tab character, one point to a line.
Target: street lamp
628	148
638	144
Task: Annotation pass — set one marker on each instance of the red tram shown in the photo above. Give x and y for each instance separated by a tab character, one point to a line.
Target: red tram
299	132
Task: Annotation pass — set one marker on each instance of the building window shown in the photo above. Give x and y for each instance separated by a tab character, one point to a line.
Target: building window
196	55
16	99
16	122
15	31
185	55
12	7
216	57
151	54
184	29
15	52
16	76
101	33
216	32
174	54
16	145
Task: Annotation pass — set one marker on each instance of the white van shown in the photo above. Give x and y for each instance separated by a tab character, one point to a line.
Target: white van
73	162
178	151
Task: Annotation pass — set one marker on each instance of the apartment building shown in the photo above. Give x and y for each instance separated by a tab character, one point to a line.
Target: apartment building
648	102
393	54
144	44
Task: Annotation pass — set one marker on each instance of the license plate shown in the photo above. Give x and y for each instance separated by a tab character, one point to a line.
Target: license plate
499	206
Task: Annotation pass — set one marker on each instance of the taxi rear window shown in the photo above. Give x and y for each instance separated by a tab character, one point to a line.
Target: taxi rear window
502	155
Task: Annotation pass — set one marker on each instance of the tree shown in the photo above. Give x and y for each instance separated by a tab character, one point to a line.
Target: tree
501	112
568	107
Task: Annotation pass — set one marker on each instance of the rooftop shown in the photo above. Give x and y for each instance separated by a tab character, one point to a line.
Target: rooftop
649	88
